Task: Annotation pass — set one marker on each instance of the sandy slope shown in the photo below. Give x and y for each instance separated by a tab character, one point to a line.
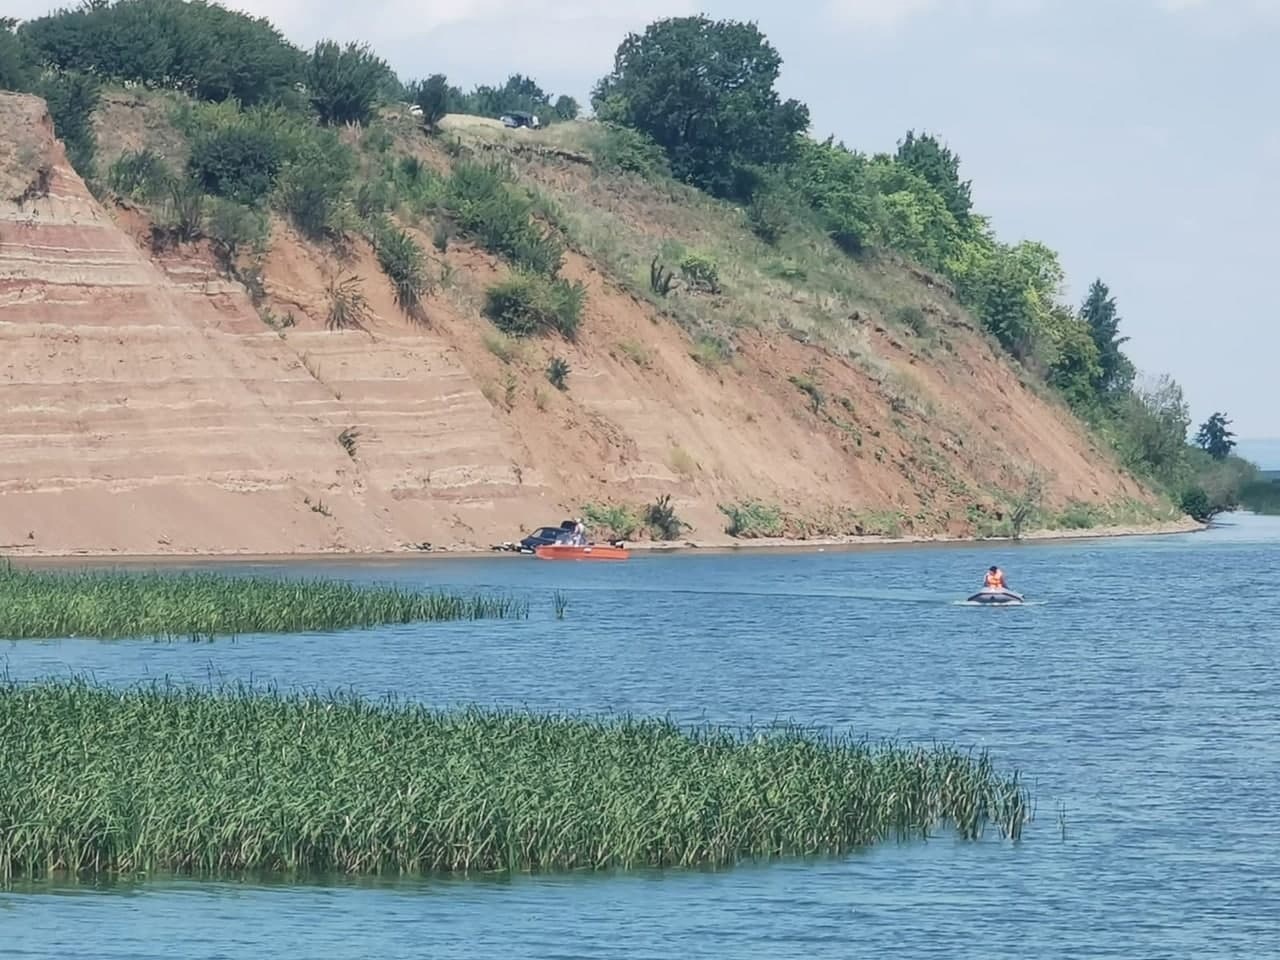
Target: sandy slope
147	409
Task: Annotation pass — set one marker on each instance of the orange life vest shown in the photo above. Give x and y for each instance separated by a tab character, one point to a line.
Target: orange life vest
995	579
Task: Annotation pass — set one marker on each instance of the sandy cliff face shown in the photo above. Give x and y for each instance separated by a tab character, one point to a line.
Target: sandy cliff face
146	407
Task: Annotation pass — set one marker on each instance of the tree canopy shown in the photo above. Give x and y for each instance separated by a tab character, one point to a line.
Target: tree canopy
345	83
201	48
1214	437
703	90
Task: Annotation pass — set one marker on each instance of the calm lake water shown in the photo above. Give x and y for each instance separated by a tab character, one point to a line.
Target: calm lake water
1141	697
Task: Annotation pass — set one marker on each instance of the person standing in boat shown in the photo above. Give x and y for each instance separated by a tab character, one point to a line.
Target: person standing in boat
579	533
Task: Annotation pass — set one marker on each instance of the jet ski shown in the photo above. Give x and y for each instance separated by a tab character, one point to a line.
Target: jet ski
996	596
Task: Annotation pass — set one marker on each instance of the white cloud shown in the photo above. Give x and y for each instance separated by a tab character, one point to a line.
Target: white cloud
1230	8
878	13
888	14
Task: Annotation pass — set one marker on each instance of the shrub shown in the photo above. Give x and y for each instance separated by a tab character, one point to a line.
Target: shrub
753	519
660	278
231	228
1194	502
710	351
374	197
660	517
806	384
489	209
240	161
344	83
402	260
700	272
768	216
139	174
558	372
619	149
182	216
348	307
312	187
615	522
912	317
526	304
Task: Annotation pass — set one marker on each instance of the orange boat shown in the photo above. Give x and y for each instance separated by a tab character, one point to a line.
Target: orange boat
574	551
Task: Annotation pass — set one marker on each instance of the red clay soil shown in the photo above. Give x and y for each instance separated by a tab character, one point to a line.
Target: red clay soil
148	409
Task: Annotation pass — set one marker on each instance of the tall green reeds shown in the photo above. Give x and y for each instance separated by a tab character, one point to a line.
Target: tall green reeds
168	779
38	604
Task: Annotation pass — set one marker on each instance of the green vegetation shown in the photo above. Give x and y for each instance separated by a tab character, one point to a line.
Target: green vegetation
403	261
623	522
202	605
753	519
1214	438
716	123
494	212
527	303
611	521
72	98
345	83
164	779
558	373
348	306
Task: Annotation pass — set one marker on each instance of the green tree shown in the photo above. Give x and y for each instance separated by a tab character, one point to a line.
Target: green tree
345	83
201	48
72	99
433	97
566	107
1214	437
1074	369
1115	372
16	66
1152	425
940	168
836	183
704	91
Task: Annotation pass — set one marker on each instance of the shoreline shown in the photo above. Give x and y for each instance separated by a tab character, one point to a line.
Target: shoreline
646	547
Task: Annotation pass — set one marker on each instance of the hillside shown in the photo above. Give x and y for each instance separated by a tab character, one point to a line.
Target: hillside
160	399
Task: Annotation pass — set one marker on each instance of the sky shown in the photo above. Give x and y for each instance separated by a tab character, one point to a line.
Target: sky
1138	138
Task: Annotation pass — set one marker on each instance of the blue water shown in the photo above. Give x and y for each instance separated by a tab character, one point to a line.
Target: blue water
1142	697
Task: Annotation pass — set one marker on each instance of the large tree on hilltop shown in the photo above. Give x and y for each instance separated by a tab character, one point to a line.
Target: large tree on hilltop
344	83
1099	312
940	167
704	91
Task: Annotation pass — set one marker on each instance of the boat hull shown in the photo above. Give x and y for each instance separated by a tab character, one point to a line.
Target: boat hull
996	597
592	551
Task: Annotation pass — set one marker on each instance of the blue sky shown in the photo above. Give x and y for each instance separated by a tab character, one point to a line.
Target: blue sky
1136	137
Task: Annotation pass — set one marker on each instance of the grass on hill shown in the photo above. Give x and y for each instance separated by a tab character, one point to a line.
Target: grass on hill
109	605
97	780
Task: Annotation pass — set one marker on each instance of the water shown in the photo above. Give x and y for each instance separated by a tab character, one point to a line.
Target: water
1142	697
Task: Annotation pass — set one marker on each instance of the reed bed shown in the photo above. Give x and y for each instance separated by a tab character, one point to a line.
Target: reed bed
111	605
179	780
